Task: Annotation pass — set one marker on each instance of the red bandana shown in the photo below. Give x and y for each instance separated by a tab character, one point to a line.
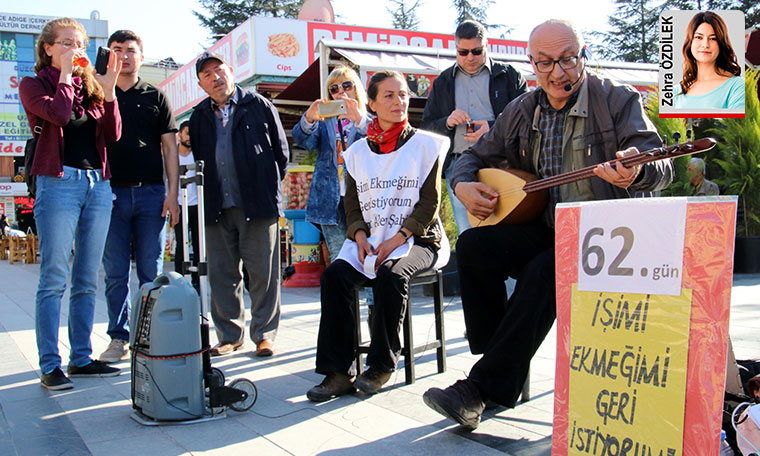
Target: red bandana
385	139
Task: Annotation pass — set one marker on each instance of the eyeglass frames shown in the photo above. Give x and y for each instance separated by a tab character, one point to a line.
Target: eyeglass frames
347	85
476	52
547	66
70	44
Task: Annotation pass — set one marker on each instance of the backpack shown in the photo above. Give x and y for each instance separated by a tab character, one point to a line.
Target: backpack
29	149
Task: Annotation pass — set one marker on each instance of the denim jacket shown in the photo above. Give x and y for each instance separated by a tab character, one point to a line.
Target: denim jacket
324	194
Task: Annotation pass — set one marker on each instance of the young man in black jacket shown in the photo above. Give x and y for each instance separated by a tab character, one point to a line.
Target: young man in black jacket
241	140
466	99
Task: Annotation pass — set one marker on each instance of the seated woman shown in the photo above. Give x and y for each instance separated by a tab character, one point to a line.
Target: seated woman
393	190
711	74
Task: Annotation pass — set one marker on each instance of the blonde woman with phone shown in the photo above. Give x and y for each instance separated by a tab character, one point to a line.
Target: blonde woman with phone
330	136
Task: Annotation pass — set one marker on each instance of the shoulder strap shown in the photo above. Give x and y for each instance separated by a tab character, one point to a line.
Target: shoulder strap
40	121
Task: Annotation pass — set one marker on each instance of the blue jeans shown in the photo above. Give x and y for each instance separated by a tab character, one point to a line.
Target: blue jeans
335	236
460	213
136	217
70	211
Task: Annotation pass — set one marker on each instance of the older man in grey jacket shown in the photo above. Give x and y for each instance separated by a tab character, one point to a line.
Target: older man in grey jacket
573	120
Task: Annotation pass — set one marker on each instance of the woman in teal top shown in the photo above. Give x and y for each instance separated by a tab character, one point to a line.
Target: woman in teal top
711	74
729	95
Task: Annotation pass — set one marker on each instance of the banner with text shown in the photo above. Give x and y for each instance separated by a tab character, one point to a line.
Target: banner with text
642	325
286	47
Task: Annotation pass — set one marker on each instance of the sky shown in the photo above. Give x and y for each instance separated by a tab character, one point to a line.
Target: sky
169	29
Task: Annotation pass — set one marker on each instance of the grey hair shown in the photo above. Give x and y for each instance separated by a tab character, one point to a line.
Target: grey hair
578	35
699	164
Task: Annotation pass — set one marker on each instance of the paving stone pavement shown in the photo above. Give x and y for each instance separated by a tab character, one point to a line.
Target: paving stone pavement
93	418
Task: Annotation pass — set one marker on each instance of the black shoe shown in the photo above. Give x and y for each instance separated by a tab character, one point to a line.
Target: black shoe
460	402
56	380
372	380
94	369
334	385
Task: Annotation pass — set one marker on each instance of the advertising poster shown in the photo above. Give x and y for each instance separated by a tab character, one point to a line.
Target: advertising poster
282	46
16	61
182	87
642	325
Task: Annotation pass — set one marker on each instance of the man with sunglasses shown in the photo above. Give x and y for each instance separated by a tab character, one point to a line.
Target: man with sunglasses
573	120
466	99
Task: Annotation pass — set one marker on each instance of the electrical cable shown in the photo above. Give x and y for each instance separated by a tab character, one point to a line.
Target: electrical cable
158	388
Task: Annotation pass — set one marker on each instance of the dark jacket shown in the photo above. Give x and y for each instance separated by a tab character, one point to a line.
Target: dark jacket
616	120
505	84
261	154
55	108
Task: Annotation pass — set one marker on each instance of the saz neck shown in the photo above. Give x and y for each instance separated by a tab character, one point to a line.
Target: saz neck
658	153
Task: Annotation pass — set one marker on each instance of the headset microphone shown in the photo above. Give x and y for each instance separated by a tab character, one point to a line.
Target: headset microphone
569	87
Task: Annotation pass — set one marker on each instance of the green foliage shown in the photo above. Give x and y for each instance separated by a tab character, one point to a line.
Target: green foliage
404	16
225	15
467	9
666	127
634	30
447	216
633	35
750	8
740	152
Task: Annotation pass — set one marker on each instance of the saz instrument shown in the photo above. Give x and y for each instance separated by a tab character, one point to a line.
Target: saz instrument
523	196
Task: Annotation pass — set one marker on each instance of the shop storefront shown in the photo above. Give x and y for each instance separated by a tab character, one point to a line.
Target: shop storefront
17	205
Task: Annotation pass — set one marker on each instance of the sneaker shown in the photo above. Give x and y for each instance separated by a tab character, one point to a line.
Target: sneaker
335	384
94	369
460	402
372	380
56	380
115	352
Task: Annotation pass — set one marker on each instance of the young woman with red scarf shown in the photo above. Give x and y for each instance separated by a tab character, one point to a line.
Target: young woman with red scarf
393	190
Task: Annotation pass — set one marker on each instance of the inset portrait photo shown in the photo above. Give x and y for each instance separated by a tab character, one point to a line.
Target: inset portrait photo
701	73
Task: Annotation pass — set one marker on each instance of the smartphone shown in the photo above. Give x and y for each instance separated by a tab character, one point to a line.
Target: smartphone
101	61
332	108
470	128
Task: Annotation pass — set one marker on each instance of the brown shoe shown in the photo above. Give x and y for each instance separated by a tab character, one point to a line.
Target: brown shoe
265	347
334	385
225	348
372	380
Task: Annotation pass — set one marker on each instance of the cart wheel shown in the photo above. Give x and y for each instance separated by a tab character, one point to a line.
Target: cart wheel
217	377
247	386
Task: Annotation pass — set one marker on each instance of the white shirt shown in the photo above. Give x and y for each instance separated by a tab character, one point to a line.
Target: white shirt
192	191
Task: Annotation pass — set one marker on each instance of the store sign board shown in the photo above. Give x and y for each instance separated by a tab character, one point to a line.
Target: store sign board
10	22
13	189
286	47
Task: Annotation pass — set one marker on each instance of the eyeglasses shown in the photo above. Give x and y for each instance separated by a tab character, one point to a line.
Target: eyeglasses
547	66
68	44
476	52
347	85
